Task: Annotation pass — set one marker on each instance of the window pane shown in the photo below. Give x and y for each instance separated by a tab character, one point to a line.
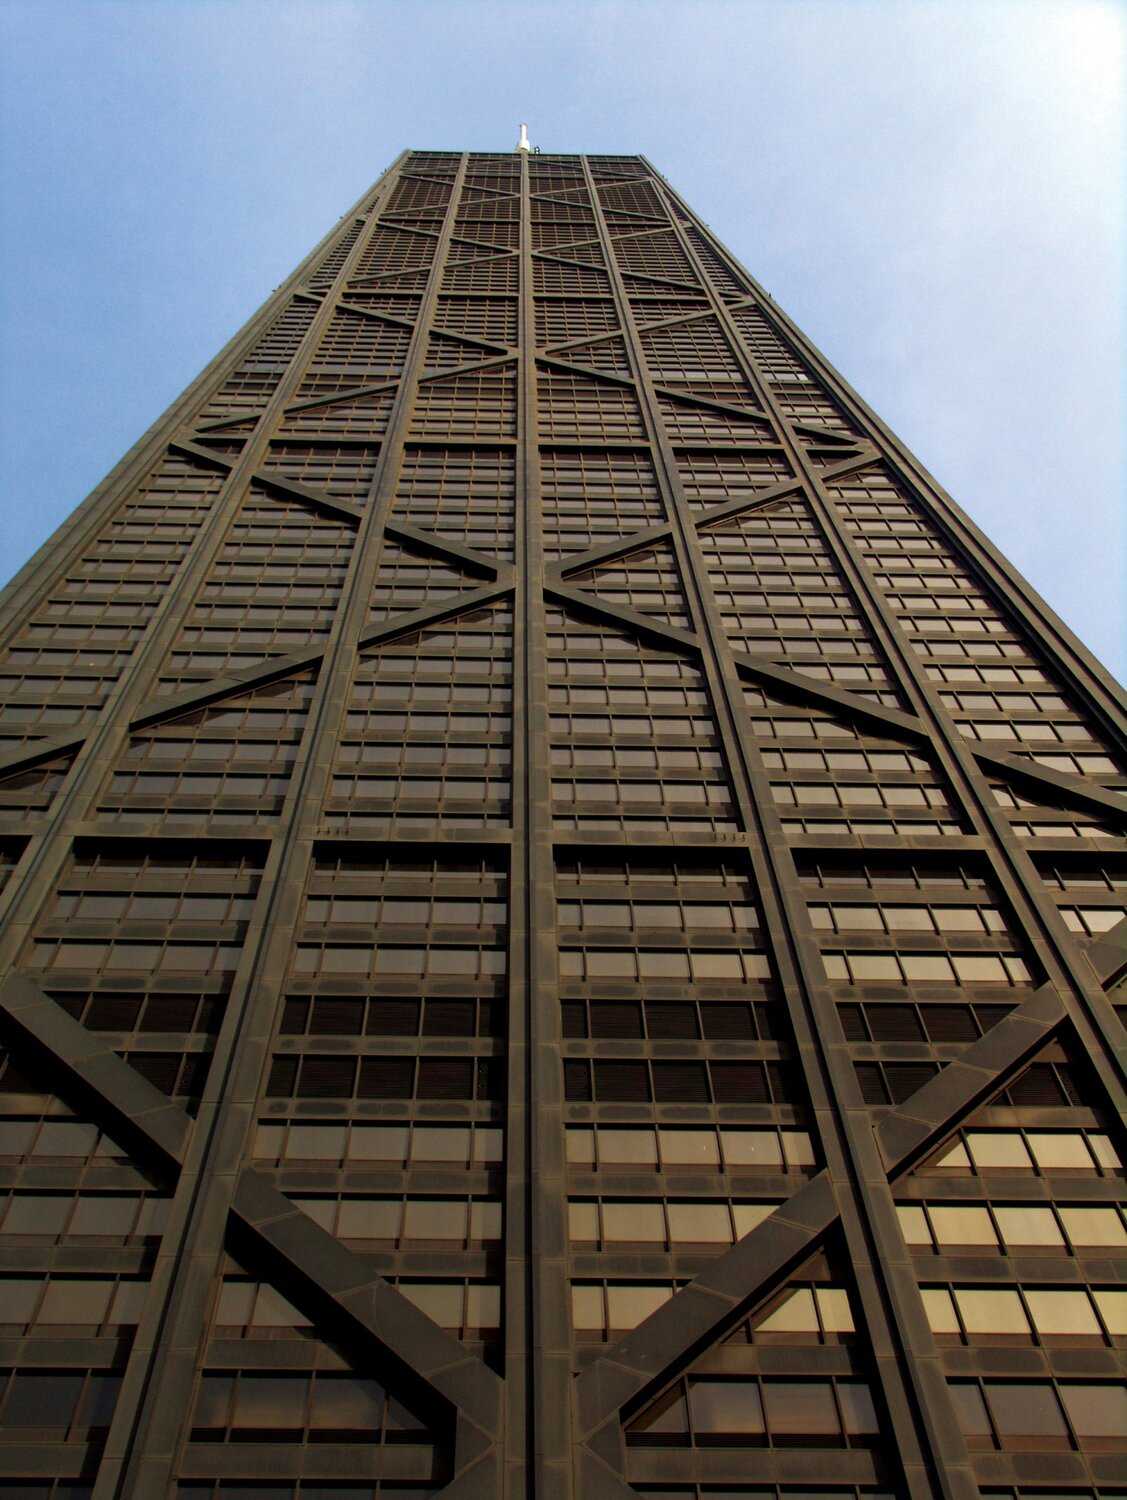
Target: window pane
97	1214
955	1158
388	960
483	1306
667	1415
488	1144
15	1136
438	1143
630	1305
315	1142
700	1223
378	1143
439	1301
270	1401
1096	1410
42	1400
997	1149
634	1222
834	1309
485	1221
717	966
1113	1310
693	1148
978	970
322	1211
795	1314
435	1219
581	1147
99	1400
75	1302
992	1311
62	1138
913	1224
213	1400
962	1226
615	965
587	1307
268	1140
749	1216
369	1219
236	1301
971	1411
909	919
800	1407
1060	1149
31	1213
1104	1152
940	1310
725	1406
751	1148
128	1303
606	914
1094	1226
858	918
633	1147
798	1149
667	965
17	1301
583	1222
1028	1226
875	967
1025	1411
857	1409
272	1310
346	1403
958	919
1062	1313
927	966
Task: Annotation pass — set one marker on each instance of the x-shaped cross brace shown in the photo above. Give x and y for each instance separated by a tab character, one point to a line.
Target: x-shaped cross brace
634	1370
334	1286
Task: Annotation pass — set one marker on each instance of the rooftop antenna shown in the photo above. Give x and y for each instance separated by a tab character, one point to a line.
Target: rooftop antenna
523	144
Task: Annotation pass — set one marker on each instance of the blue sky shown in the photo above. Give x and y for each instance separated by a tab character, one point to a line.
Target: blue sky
933	189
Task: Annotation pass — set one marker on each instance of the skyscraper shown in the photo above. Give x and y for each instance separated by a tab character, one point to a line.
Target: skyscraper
563	914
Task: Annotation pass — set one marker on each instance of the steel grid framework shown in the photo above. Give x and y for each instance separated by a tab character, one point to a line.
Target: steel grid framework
547	863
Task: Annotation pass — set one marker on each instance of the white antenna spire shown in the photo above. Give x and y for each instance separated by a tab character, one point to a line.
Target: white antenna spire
522	144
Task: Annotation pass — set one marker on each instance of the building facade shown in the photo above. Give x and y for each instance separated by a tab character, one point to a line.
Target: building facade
563	912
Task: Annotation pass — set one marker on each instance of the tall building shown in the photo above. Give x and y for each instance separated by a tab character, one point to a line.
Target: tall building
563	915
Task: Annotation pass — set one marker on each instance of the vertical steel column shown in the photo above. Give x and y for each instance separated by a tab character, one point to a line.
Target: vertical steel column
931	1449
549	1368
519	1110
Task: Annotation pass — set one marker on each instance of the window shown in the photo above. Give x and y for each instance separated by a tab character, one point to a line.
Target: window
721	1407
992	1311
1026	1415
1062	1313
245	1406
1094	1226
751	1412
962	1225
1024	1226
1098	1414
600	1310
57	1404
1003	1150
